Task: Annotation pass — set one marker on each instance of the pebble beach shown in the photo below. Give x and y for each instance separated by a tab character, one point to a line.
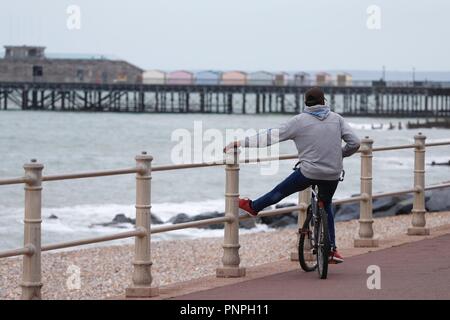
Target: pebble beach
106	271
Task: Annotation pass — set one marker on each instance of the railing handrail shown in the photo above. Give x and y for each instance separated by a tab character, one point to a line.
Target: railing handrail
10	181
168	167
115	236
93	174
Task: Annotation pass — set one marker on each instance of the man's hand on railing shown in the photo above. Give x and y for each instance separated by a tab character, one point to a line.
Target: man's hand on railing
231	145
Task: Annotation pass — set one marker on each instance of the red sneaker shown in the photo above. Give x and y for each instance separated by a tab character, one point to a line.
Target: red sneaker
244	204
335	257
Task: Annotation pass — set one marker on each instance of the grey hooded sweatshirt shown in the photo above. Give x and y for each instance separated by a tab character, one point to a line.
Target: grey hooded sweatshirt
318	134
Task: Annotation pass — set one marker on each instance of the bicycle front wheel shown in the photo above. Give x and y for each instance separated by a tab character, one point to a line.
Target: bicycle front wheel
323	247
306	244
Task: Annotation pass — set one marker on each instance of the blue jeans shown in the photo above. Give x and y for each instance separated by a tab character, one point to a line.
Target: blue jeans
297	182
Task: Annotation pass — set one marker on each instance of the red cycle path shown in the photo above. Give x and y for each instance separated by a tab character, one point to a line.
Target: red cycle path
417	270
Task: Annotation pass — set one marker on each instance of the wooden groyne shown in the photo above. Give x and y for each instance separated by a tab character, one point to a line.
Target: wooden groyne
429	123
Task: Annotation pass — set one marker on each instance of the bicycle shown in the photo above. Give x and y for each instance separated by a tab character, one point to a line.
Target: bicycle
314	236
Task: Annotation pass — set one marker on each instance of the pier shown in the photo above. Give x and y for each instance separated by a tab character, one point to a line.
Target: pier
364	98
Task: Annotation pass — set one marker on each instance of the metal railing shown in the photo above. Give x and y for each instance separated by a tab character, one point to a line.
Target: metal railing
141	284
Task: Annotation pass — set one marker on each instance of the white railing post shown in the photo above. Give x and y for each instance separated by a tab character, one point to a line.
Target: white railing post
366	236
31	273
304	199
231	259
418	211
142	273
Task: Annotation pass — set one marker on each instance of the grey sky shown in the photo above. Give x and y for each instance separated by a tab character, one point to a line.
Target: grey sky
240	34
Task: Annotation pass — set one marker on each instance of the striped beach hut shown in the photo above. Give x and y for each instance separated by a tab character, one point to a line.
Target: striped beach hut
281	79
323	78
234	78
208	77
180	77
154	77
260	78
344	79
302	79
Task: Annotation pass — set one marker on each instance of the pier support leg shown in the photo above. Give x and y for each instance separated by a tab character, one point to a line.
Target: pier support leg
217	102
141	101
24	99
366	236
231	259
202	101
31	272
42	102
142	273
257	103
332	99
230	103
297	103
418	211
5	101
264	103
270	102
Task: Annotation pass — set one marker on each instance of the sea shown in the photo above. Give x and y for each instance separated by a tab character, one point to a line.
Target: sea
70	142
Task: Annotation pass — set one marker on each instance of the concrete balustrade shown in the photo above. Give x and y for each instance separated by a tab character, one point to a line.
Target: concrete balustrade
142	272
304	200
142	280
231	260
31	272
365	235
418	211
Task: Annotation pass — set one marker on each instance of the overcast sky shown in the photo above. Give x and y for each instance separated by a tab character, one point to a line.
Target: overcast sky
240	34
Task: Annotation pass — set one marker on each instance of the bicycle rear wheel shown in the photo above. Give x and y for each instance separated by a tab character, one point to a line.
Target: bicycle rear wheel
323	247
306	244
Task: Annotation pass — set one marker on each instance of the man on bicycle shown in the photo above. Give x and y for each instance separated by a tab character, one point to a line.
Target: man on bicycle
318	134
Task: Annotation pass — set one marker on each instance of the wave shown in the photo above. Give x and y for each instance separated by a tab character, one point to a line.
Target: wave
82	220
76	222
369	126
436	140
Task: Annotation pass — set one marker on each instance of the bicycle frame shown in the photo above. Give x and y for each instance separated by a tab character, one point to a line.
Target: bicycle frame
316	203
315	231
315	215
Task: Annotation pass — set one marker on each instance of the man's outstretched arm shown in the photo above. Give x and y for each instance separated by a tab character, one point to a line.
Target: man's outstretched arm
267	137
352	142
